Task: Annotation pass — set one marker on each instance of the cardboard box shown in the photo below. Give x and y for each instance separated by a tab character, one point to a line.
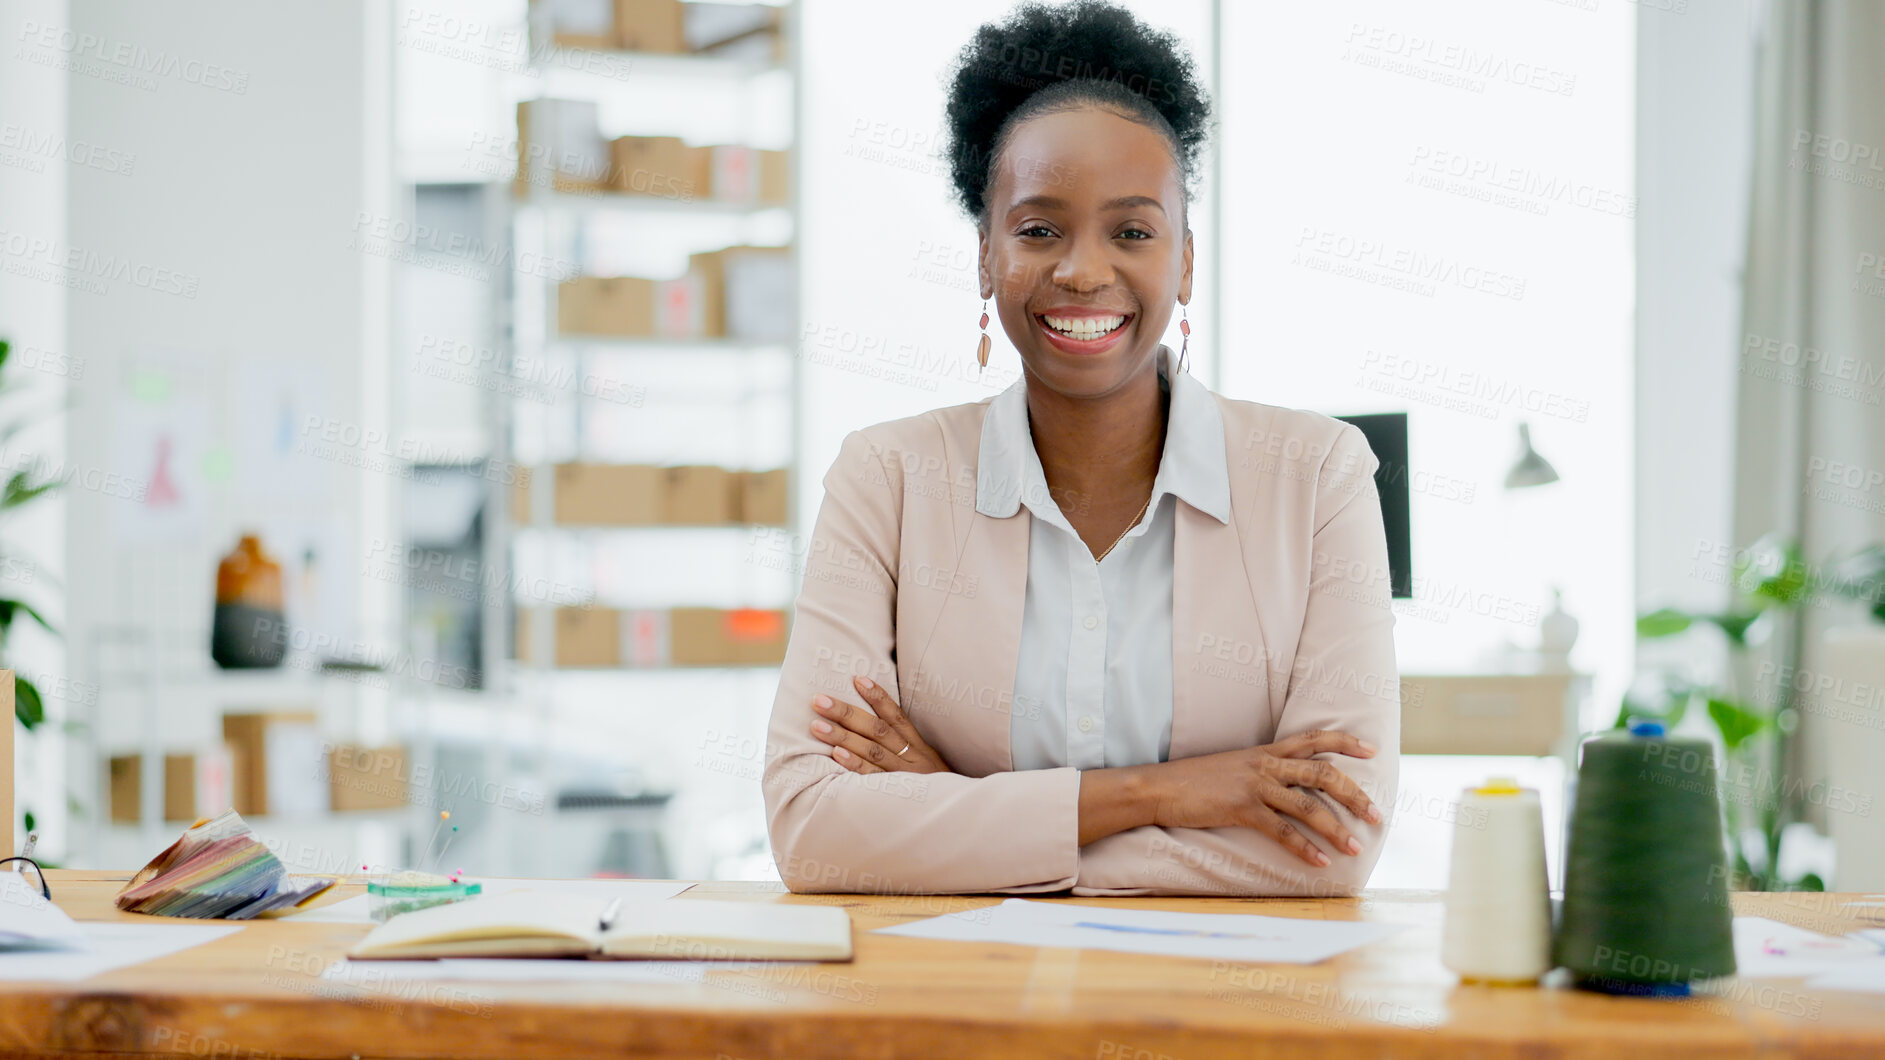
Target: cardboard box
635	25
601	637
750	175
711	636
607	305
276	761
559	147
762	497
651	25
367	778
743	292
609	494
194	786
697	495
660	166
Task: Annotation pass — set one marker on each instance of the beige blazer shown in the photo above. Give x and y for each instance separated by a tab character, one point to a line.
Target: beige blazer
1280	624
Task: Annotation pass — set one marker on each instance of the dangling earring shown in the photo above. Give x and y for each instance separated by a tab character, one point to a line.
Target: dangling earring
981	348
1184	328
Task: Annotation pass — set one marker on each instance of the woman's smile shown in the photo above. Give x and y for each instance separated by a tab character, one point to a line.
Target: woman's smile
1083	331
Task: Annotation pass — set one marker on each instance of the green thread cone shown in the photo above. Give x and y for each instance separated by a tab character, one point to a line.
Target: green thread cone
1646	878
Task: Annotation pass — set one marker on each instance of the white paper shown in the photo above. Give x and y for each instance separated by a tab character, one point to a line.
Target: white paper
358	910
1218	936
28	919
1865	976
529	969
109	945
1764	948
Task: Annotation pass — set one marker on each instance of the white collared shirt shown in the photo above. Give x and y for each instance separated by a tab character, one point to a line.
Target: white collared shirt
1093	688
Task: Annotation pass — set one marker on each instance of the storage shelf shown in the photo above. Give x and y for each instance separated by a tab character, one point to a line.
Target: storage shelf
614	202
651	65
660	344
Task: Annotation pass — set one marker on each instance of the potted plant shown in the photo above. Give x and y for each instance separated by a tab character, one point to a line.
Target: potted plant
1752	711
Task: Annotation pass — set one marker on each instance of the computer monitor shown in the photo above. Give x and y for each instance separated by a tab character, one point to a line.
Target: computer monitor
1387	436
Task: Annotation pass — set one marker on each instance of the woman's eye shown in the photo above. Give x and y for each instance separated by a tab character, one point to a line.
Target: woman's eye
1139	232
1037	229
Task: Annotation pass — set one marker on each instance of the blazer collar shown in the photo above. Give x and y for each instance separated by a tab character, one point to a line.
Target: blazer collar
1193	465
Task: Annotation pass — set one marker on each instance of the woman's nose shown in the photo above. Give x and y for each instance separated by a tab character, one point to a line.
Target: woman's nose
1084	266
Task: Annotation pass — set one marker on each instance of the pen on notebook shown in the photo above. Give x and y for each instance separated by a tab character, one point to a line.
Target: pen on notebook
32	840
609	911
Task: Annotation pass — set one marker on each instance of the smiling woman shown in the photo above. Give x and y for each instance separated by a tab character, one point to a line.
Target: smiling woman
1106	631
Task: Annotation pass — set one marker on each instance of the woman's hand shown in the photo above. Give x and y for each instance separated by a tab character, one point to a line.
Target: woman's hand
1259	786
881	742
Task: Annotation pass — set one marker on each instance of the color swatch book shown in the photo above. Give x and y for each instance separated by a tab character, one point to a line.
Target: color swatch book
217	870
555	925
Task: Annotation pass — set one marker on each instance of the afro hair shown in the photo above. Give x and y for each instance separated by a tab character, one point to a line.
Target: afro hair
1054	58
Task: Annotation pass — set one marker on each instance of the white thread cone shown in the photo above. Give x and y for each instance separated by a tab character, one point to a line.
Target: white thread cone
1498	903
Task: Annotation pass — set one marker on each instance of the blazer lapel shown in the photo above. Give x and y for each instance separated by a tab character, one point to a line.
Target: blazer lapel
1220	659
963	628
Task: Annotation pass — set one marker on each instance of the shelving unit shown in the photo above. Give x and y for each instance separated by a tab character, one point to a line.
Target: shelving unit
545	224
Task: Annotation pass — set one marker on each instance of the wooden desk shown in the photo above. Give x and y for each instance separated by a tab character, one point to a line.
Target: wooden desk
258	993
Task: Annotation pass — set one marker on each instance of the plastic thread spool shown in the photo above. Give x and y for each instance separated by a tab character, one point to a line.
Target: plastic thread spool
1498	903
1646	880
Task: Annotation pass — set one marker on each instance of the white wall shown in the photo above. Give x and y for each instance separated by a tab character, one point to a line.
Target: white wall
34	157
1429	208
1694	143
231	303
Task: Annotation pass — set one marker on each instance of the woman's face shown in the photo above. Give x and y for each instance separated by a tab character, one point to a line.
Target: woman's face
1085	232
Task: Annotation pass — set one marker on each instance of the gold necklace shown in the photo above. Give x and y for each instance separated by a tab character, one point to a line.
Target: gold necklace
1127	530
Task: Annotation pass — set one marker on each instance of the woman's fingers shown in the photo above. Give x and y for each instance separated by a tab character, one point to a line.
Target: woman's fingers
1269	823
859	731
852	750
1313	773
1304	807
888	712
1316	741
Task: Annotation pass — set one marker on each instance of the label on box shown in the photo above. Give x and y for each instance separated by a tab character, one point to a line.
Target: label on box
645	638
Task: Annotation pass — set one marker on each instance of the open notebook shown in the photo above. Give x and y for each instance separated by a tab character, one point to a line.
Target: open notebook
552	925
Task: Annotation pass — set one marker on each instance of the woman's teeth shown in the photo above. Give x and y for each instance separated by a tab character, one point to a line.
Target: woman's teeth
1084	327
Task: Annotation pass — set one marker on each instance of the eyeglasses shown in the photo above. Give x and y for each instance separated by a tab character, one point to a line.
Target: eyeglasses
44	888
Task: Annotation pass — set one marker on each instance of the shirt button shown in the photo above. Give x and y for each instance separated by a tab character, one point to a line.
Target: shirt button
1086	724
1090	622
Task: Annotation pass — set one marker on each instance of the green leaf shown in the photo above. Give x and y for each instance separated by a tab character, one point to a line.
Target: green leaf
1735	625
27	706
1810	882
5	348
1773	571
21	489
11	609
1664	623
31	823
1736	723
